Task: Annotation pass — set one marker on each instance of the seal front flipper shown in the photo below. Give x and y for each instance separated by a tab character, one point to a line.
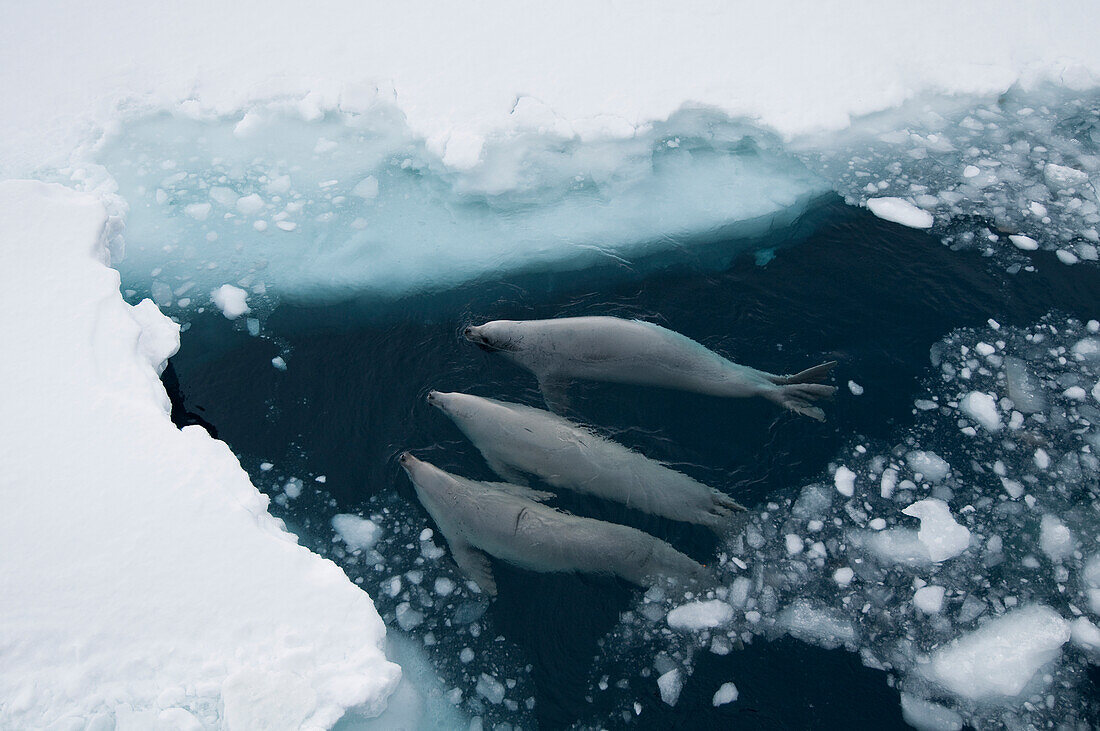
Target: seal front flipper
507	473
555	392
475	565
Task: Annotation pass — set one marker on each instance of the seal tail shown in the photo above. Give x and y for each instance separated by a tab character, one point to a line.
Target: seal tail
817	374
797	397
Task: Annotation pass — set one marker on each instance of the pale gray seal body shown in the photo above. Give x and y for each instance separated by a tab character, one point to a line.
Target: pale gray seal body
640	353
517	440
508	522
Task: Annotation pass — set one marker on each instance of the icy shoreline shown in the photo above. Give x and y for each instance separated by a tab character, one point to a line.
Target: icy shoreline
149	583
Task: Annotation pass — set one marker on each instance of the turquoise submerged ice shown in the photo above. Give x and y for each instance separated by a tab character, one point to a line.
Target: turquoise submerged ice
356	204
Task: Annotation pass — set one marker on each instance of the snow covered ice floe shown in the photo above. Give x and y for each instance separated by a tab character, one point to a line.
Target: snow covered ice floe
986	614
153	586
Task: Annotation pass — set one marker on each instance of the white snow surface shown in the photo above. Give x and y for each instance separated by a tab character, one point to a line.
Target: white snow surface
1000	658
153	586
589	68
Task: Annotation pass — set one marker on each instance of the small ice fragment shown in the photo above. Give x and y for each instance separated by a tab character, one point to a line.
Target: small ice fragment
700	615
855	388
1066	257
253	326
985	349
1024	243
670	685
367	188
286	225
928	716
260	225
232	301
1014	488
900	211
444	586
407	617
845	481
970	171
1023	387
794	544
1055	538
490	689
466	656
931	465
266	466
940	534
197	211
293	488
356	532
877	524
727	693
982	408
279	363
1085	634
843	576
250	204
929	599
817	626
1042	459
1074	393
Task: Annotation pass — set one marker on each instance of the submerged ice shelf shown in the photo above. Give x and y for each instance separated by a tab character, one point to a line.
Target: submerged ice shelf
355	205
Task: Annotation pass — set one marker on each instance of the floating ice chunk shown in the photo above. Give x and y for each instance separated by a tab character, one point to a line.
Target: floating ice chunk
971	171
358	533
1023	387
670	684
1061	177
727	693
700	615
899	545
407	617
1085	634
1074	393
845	481
250	204
367	188
855	388
1066	257
1096	391
1087	348
1042	459
293	488
232	301
1090	577
931	465
928	716
900	211
982	408
279	363
223	196
197	211
490	689
1000	658
794	544
941	535
1055	538
1024	243
444	586
1013	487
843	576
816	626
929	599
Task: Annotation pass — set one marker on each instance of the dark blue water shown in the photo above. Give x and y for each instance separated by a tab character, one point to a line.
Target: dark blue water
872	295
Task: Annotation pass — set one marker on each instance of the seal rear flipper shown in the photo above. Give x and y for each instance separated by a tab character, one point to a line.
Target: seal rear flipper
555	392
507	473
797	398
475	565
539	496
817	374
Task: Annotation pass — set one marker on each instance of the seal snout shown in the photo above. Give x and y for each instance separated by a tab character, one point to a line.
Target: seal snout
406	459
433	397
